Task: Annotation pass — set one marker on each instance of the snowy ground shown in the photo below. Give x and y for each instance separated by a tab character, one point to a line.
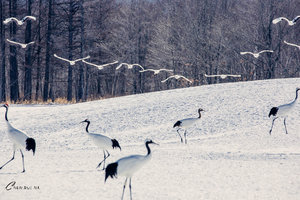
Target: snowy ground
229	155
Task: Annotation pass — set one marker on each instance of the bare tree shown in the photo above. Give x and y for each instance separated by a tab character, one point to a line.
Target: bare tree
14	74
3	63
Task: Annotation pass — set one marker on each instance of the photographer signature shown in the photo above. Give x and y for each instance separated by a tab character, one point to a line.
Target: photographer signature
13	186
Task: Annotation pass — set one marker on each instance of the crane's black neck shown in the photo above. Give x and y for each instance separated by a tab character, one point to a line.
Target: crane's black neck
199	114
148	148
296	94
6	113
87	126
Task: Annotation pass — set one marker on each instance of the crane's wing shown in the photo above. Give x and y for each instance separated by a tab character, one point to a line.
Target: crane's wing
271	51
92	64
167	79
32	42
112	63
120	65
291	44
99	66
61	58
275	21
7	20
167	70
185	78
210	75
233	75
296	18
246	52
138	65
28	17
79	59
13	42
148	70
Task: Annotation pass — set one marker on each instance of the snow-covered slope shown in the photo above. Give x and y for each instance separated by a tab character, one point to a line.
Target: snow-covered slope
229	155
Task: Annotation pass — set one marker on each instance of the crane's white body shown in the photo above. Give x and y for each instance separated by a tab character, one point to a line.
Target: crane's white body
100	67
21	44
256	55
101	141
127	166
129	66
19	22
290	22
188	122
72	62
283	111
176	77
17	137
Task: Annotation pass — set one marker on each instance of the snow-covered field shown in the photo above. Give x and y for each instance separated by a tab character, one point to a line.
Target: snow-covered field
229	155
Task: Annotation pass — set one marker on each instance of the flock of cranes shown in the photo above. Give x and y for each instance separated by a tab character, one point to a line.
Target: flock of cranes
20	23
275	21
127	166
156	71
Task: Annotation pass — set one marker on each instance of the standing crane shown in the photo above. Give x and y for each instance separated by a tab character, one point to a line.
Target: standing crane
283	111
127	166
102	142
19	139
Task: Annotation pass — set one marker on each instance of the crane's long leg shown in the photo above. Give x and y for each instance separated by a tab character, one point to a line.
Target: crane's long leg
130	189
273	124
285	125
180	136
185	137
124	188
22	161
9	160
106	158
103	161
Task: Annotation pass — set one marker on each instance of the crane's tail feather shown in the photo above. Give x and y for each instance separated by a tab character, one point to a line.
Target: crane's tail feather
30	145
178	123
111	170
273	111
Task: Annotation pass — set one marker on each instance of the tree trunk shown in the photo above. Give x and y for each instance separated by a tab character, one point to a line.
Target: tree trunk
14	82
3	64
81	71
48	47
38	72
28	79
70	70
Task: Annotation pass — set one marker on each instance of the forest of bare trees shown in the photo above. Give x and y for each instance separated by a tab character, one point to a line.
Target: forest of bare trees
190	37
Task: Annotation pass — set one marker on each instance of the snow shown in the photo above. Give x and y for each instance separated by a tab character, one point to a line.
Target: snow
229	155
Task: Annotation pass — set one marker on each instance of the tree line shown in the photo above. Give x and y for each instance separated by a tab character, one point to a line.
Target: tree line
190	37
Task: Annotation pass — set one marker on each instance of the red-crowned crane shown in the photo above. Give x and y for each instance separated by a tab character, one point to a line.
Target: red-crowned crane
20	140
127	166
19	22
103	142
256	54
186	123
290	22
283	111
